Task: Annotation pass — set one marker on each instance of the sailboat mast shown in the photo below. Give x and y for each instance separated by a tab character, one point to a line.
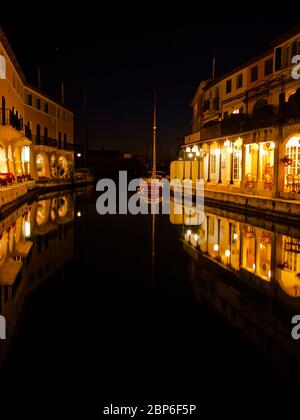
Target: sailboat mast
154	138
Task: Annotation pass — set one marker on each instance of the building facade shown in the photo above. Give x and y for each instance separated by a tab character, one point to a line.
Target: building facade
36	133
246	127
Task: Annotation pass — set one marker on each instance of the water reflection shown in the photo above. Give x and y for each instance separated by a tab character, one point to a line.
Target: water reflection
248	269
35	241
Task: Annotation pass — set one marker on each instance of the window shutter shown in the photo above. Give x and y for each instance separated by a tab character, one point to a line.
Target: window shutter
278	59
294	48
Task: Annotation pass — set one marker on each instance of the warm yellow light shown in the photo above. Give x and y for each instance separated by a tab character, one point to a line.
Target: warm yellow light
198	153
26	154
253	266
227	253
235	236
189	232
195	149
188	149
79	214
226	143
269	274
190	155
196	237
79	155
293	142
217	152
216	247
230	150
27	229
238	143
254	146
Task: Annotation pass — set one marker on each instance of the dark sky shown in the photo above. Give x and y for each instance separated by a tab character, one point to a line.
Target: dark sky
120	55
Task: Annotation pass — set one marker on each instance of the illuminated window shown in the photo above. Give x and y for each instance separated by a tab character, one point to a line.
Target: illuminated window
236	166
293	152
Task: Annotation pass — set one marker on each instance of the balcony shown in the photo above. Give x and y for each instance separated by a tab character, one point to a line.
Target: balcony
8	118
69	146
28	132
261	118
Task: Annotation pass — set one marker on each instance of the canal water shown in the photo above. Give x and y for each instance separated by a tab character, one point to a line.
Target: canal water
178	307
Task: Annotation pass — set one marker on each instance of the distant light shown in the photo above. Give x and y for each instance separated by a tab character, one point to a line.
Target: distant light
217	152
230	150
79	155
269	274
189	232
198	153
216	247
190	155
188	149
254	266
227	253
196	237
195	149
235	236
79	214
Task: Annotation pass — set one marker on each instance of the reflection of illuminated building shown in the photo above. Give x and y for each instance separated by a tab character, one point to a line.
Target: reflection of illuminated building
250	275
35	241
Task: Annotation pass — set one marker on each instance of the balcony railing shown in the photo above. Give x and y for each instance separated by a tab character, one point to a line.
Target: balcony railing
261	118
7	117
28	132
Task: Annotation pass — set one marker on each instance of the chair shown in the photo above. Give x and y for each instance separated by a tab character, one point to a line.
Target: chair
268	182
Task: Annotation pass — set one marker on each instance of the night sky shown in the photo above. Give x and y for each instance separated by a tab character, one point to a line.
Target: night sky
119	56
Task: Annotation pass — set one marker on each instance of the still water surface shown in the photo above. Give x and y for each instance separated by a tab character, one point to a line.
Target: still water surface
192	308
